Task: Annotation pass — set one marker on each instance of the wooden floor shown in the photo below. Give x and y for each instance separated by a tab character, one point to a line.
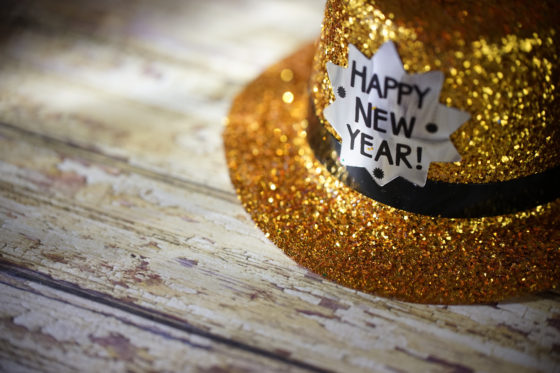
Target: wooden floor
123	245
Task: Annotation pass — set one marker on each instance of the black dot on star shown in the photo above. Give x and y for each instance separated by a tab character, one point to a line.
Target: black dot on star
341	92
431	127
378	173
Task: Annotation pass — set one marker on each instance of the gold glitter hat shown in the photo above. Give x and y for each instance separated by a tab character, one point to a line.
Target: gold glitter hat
480	229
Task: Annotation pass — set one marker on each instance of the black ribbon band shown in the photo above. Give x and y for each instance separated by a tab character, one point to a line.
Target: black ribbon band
438	198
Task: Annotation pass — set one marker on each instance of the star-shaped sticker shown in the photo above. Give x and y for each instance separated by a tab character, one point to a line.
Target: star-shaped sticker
391	123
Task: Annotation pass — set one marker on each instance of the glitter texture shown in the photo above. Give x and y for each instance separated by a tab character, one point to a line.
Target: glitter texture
498	59
338	233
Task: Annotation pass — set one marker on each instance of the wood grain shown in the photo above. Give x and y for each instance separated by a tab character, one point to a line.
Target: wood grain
123	245
45	329
160	101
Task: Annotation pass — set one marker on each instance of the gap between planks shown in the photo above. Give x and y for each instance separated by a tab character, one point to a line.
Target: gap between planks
20	273
92	154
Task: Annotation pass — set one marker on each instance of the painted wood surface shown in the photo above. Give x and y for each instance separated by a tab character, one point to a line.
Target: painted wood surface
123	245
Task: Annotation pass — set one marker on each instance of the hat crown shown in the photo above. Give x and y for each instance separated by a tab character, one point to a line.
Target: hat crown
500	65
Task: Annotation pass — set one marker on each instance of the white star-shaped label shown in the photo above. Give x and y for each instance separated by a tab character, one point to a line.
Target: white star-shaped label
391	123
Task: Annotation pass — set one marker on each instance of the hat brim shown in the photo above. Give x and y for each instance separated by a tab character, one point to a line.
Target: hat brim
348	238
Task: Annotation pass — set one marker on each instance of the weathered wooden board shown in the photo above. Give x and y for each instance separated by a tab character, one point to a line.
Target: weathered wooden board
116	209
44	329
160	101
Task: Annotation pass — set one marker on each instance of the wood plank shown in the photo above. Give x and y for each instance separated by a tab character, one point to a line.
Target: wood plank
246	31
199	259
48	330
160	101
184	146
